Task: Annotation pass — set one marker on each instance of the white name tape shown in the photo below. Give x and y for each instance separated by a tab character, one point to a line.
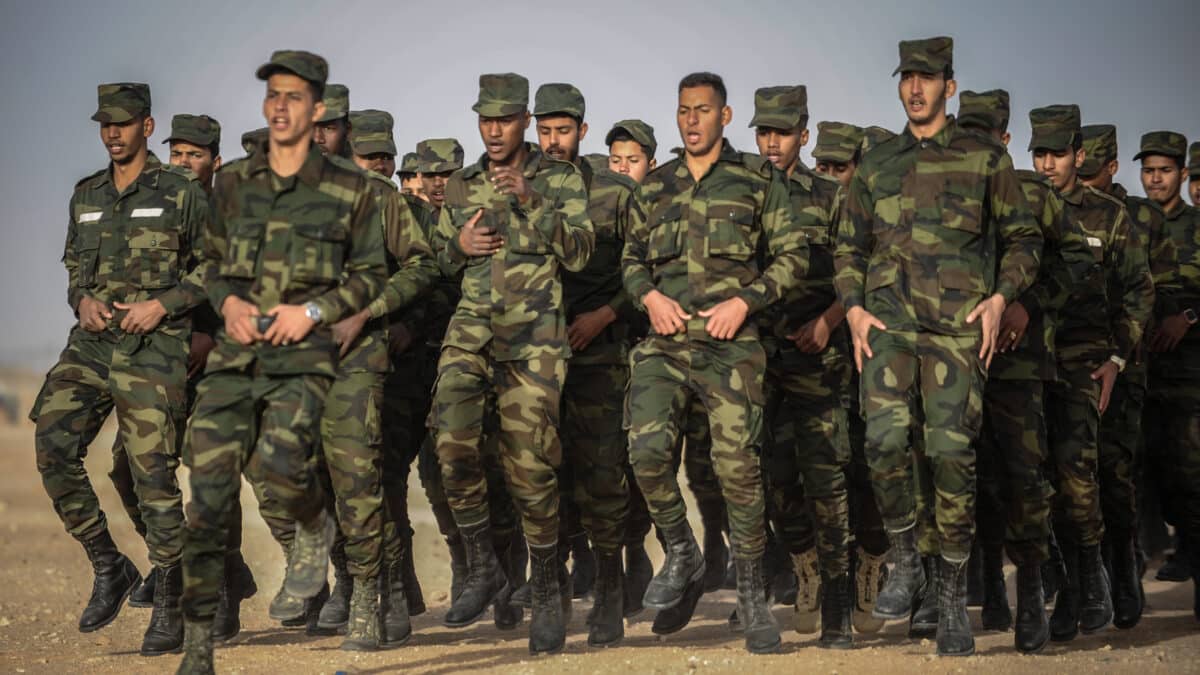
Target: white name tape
146	213
1095	243
90	217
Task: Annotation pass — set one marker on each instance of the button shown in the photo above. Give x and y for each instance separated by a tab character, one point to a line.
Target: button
154	242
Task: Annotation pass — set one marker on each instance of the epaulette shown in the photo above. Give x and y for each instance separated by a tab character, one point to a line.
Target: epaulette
1105	196
90	177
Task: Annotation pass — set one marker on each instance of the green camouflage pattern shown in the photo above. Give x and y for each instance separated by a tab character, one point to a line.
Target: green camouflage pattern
1173	451
873	136
595	448
1176	269
640	131
371	133
987	110
1055	127
780	107
409	165
1193	164
121	102
1073	427
302	64
1099	146
837	142
501	95
1167	143
255	140
337	103
199	130
930	55
439	155
558	98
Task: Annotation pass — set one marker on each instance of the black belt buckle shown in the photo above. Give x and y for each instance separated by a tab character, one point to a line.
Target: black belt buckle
264	322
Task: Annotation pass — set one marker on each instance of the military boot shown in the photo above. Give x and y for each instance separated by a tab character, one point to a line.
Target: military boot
906	579
547	625
412	585
238	585
996	613
397	626
954	626
758	624
197	649
716	557
1032	628
1054	569
143	596
583	567
286	608
975	575
165	632
1175	568
1126	582
870	574
638	572
835	612
458	565
362	628
336	612
605	622
807	616
485	578
505	615
682	569
923	621
1064	622
1095	598
114	578
308	566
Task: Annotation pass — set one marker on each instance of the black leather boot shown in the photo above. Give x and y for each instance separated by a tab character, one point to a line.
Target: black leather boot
682	569
758	624
1095	598
143	596
923	621
458	565
1054	569
583	567
396	627
1126	582
336	612
716	556
1032	628
836	604
505	615
996	613
412	585
638	572
485	578
975	575
954	626
114	578
905	580
164	635
547	625
1064	622
605	622
237	586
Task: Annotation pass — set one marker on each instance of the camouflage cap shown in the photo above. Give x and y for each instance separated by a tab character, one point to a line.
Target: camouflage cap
597	160
1194	160
200	130
438	155
1167	143
558	97
121	101
302	64
780	107
837	142
931	55
986	111
873	136
337	102
640	131
1100	144
254	139
502	94
1055	127
409	164
371	132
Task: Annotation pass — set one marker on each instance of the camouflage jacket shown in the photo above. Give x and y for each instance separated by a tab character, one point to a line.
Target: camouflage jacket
512	299
314	236
1107	313
611	198
698	242
1177	273
1066	260
137	245
1145	218
931	228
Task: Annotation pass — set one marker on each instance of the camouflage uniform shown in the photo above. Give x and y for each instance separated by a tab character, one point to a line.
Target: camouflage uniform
312	238
128	247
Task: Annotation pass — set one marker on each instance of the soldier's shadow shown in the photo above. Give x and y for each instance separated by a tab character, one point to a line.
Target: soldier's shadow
273	637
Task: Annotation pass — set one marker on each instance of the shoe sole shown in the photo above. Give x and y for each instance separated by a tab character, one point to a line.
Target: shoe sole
836	645
696	578
551	651
1035	650
970	652
1088	630
359	647
178	649
698	592
475	619
392	644
773	649
279	616
116	612
602	645
140	605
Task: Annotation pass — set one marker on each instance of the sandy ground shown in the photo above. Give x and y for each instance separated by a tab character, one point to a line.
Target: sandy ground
45	579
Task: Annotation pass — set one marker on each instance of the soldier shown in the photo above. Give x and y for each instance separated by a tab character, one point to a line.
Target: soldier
1099	327
295	245
600	318
332	130
838	150
1173	424
690	261
509	222
1194	173
807	445
410	177
254	140
925	210
132	243
1120	441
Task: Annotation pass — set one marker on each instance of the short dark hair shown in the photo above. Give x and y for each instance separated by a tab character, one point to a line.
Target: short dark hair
578	120
622	135
948	73
705	79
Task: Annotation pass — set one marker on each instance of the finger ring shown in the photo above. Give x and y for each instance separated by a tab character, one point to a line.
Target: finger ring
1012	335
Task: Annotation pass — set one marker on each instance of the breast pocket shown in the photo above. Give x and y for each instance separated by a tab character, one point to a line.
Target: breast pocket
522	236
87	255
153	256
731	232
962	206
245	237
318	252
666	235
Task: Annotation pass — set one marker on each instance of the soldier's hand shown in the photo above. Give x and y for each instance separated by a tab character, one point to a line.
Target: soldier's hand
508	180
666	316
346	331
813	337
291	325
202	344
239	320
476	240
1107	375
990	311
725	318
588	325
861	322
399	338
141	317
93	314
1013	325
1170	331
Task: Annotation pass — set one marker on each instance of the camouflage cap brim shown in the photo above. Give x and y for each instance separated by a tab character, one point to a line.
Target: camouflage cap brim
364	146
776	120
640	131
112	115
1054	141
496	109
121	102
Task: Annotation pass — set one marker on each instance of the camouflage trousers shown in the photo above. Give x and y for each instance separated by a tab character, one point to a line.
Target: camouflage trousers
1014	495
267	426
667	375
1173	450
595	449
1073	425
143	379
939	380
404	434
806	451
527	395
1120	445
866	524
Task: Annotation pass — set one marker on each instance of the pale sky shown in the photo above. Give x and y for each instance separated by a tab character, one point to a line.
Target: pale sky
1133	64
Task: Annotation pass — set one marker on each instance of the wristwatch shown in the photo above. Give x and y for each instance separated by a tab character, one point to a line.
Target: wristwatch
312	311
1119	361
1190	315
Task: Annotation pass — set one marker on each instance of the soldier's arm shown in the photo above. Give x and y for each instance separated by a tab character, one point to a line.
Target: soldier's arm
1066	259
70	260
786	245
853	244
620	303
215	244
562	220
189	293
365	268
1166	268
407	244
450	256
1132	277
635	273
1020	237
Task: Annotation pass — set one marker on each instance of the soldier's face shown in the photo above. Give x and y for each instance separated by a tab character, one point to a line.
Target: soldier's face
1194	190
924	95
380	162
434	185
1059	166
842	171
560	135
331	136
290	108
629	158
701	118
502	136
1162	178
125	140
412	186
199	160
781	146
